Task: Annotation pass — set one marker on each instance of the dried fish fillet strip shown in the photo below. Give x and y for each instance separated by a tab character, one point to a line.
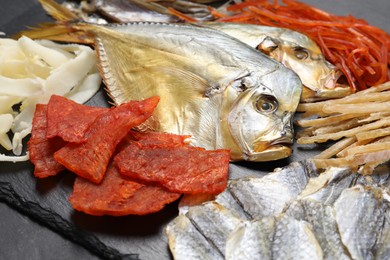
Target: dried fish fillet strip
83	159
74	121
177	168
118	196
41	148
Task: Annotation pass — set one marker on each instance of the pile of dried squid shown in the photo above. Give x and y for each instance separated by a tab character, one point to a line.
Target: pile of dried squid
359	122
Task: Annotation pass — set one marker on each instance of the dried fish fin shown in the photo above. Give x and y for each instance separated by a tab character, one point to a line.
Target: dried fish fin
146	70
61	32
195	81
141	68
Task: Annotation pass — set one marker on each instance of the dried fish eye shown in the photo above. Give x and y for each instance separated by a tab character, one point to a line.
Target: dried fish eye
301	53
266	104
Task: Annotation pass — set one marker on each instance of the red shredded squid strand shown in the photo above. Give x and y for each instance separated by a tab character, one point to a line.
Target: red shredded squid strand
360	50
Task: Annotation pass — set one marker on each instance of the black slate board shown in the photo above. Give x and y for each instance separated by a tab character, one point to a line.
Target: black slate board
45	201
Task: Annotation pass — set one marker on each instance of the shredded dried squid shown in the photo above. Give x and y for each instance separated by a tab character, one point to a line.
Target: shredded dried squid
32	71
363	144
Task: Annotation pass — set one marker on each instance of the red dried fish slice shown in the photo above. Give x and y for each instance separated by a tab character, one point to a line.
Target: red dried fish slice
180	169
40	148
155	139
90	159
118	196
70	120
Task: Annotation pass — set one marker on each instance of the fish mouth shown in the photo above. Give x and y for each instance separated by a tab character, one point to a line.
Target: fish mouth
269	151
308	95
334	85
272	153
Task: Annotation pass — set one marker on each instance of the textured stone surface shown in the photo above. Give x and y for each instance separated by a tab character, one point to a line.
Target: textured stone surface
45	201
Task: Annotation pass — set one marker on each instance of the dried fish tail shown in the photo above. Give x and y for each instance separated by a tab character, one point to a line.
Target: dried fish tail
57	11
66	29
62	32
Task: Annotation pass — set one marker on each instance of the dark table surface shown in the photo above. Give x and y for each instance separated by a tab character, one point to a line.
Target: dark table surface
22	237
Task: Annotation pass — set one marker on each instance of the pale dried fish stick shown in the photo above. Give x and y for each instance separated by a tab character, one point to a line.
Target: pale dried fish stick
369	107
336	148
325	121
373	134
368	148
348	124
347	133
344	152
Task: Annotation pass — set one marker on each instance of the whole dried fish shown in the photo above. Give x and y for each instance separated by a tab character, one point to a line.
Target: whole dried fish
124	11
295	50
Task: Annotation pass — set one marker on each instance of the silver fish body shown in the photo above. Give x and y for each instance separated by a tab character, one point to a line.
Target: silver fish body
329	217
212	86
124	11
215	222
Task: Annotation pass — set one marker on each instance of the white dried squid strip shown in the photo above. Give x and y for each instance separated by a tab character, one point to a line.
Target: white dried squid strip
39	70
5	125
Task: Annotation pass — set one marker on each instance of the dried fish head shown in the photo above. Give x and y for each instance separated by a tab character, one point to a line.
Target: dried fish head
260	116
295	50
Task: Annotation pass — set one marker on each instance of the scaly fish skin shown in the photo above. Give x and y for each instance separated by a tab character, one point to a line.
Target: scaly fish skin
322	217
268	196
215	88
359	213
215	222
186	242
322	220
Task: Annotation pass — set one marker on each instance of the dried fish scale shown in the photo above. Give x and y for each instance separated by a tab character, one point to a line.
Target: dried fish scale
335	215
359	222
269	195
294	239
214	221
186	242
251	240
321	218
